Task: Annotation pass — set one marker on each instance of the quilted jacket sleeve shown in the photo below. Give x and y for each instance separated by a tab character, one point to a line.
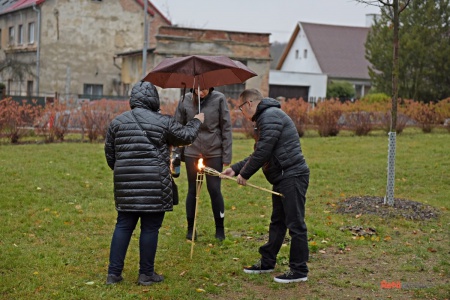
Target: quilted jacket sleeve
179	135
110	153
269	127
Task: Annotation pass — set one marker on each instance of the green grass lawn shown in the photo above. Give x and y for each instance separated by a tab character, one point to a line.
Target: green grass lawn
57	218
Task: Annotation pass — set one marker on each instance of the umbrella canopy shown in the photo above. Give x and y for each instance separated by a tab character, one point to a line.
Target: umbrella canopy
198	71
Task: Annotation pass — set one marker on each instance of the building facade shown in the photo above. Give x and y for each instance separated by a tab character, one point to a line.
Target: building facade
252	49
69	46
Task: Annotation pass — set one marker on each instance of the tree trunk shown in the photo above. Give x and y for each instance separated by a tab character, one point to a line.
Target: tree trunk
389	198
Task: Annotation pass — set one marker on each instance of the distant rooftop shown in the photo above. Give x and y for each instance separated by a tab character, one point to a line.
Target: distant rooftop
7	6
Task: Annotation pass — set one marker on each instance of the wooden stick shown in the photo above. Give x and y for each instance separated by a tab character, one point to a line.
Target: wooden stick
199	182
213	172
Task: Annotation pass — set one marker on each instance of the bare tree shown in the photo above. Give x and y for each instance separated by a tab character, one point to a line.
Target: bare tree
16	68
392	8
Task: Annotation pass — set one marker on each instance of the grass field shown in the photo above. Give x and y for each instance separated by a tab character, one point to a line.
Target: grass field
57	218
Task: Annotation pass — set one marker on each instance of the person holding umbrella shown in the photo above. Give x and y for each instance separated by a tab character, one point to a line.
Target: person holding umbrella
137	149
213	144
278	152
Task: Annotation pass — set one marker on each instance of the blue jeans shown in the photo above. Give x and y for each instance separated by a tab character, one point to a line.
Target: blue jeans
148	241
288	214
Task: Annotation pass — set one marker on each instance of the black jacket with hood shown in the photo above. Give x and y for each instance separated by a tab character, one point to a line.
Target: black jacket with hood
142	180
277	149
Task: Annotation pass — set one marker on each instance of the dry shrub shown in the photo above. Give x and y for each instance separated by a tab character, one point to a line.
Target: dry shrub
359	117
443	109
54	122
17	118
238	120
169	107
96	116
297	109
402	121
382	116
425	114
326	117
235	113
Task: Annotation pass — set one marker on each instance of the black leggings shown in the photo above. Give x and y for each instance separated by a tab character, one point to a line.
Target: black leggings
212	183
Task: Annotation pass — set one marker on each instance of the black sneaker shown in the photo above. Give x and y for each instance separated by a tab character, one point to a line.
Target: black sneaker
289	277
258	268
147	280
112	279
220	233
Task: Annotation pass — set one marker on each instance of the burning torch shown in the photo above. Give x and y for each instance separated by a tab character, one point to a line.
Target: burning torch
199	183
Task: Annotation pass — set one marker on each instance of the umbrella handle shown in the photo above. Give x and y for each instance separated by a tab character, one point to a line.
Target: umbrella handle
198	94
184	90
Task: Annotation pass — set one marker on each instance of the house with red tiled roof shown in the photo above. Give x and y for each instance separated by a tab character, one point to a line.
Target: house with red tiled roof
91	49
71	45
317	54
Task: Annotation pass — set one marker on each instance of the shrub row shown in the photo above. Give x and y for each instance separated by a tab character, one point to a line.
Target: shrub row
55	120
91	119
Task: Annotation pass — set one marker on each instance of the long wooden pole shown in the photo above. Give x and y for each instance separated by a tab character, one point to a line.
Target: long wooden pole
213	172
199	183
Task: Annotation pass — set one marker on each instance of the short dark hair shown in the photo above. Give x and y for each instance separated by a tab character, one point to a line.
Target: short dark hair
251	95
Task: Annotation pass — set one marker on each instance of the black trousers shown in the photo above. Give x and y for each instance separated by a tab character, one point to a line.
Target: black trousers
212	183
288	214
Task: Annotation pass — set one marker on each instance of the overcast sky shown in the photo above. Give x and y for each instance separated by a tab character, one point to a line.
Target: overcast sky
278	17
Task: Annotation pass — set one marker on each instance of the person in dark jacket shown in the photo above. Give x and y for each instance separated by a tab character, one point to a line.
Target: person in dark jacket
213	145
142	179
278	152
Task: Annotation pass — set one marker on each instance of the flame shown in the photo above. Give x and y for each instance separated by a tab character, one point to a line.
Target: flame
200	164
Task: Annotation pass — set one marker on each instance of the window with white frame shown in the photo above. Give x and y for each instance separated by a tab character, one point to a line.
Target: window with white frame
93	89
305	53
20	35
11	35
31	33
29	88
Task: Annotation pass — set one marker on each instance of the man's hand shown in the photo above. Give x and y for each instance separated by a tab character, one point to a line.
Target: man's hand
241	180
200	116
228	172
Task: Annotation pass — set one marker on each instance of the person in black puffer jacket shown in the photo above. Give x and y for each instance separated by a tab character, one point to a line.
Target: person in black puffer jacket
142	179
278	152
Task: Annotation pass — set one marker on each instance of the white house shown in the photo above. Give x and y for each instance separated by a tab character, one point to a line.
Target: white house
317	54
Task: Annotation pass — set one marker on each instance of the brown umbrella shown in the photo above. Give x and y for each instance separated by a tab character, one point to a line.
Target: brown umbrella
198	71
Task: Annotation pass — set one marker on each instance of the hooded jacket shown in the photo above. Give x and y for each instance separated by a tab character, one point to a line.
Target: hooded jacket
277	149
142	180
215	136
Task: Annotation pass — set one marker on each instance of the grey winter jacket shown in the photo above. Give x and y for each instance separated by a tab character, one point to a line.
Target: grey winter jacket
142	180
277	149
215	136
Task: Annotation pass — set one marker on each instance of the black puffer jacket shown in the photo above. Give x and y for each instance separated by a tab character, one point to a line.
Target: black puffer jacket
142	179
277	149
